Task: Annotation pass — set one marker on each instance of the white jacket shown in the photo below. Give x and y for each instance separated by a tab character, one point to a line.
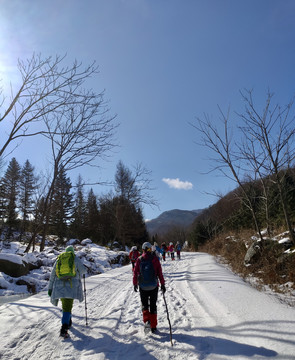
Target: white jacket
69	289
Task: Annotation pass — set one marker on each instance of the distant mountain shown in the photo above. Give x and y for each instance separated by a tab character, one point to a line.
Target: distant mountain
169	219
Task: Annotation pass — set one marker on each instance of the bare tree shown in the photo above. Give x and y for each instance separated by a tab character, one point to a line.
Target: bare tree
45	89
256	173
78	136
53	102
226	157
273	132
133	189
134	186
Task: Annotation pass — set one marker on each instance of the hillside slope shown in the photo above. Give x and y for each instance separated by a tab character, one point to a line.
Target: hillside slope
169	219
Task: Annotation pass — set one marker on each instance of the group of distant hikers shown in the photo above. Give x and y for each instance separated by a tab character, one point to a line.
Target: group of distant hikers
65	281
161	252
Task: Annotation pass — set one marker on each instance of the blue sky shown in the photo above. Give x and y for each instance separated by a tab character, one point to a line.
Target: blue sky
162	64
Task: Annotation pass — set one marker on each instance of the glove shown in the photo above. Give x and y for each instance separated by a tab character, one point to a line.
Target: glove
163	289
135	288
49	292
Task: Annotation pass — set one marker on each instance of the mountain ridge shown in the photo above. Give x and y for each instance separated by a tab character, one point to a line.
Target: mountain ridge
172	218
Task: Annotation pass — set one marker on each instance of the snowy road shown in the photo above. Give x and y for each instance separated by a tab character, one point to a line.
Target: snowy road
213	313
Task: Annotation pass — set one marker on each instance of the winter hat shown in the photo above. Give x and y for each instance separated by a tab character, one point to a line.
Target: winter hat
146	246
70	248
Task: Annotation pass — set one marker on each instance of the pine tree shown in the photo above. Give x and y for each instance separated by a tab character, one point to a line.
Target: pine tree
107	221
77	227
62	205
129	221
3	203
11	190
28	185
92	218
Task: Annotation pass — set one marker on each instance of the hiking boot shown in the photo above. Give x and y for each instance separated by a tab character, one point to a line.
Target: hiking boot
153	330
64	330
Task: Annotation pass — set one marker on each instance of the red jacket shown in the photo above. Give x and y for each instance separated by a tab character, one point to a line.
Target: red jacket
156	264
171	248
133	255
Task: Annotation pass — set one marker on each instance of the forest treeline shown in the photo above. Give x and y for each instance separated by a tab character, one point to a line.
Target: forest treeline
72	213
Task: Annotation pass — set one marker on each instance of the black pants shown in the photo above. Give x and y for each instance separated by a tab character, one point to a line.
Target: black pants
149	299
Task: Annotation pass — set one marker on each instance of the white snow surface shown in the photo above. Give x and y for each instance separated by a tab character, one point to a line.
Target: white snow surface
17	259
214	314
96	258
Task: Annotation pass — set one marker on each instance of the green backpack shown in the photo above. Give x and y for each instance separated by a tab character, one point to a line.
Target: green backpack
65	267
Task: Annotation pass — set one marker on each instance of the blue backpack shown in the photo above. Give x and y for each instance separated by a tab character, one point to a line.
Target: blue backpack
147	277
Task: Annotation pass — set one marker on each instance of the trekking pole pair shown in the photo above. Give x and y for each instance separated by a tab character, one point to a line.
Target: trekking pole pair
168	318
85	299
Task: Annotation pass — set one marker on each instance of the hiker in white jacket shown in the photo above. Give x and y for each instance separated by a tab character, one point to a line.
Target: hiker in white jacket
66	290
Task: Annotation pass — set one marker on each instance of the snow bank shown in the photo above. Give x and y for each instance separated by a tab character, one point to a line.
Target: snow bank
96	258
17	259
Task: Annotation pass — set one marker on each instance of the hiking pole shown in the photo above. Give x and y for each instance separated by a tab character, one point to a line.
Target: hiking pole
85	299
168	318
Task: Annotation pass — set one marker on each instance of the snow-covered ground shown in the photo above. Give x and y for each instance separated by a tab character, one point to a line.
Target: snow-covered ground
213	313
97	259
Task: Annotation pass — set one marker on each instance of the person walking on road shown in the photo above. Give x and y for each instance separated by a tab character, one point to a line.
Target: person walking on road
146	277
178	249
164	250
171	250
133	256
65	284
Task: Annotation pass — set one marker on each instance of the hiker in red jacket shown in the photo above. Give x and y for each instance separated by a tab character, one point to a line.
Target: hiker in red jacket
171	250
133	255
146	273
